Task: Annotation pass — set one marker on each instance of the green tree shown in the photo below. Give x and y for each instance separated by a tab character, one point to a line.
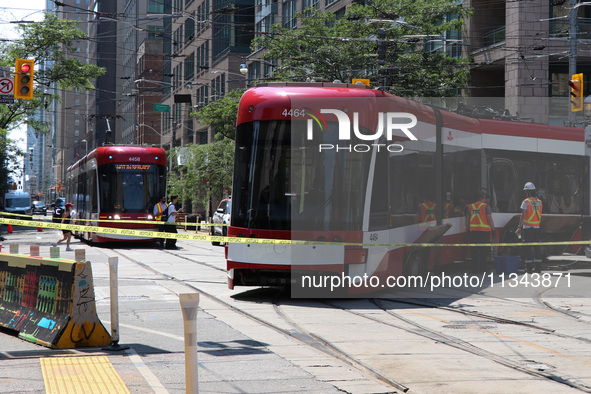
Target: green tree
49	42
328	48
206	173
221	114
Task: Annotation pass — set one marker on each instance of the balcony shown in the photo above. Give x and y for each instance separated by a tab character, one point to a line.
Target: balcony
493	37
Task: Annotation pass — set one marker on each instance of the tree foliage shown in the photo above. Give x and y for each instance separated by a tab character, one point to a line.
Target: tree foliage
49	42
221	114
328	48
206	171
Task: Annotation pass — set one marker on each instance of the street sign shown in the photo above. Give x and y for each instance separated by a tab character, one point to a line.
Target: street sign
6	91
161	108
6	86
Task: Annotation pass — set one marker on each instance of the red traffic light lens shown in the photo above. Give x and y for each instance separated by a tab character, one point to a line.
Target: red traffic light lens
25	68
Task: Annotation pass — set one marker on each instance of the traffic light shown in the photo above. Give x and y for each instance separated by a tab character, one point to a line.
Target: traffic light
576	92
23	81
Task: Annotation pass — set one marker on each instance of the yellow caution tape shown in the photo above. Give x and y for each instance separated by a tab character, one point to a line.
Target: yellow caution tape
184	223
244	240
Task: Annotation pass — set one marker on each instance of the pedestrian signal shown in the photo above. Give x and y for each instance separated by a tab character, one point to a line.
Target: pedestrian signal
576	92
23	86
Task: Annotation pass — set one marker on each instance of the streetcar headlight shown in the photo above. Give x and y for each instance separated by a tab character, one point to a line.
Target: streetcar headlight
150	217
117	217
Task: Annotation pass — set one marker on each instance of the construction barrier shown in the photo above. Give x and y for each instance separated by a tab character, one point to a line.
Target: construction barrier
50	302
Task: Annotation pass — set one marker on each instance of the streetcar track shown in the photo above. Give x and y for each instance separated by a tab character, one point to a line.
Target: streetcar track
335	351
467	347
495	318
575	315
300	335
320	344
460	345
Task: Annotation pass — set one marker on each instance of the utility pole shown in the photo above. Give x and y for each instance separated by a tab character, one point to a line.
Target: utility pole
572	41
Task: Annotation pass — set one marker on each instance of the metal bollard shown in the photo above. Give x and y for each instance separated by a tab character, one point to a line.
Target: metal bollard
189	306
114	298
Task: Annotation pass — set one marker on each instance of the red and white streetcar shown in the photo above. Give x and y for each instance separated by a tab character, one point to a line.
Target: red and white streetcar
347	164
114	183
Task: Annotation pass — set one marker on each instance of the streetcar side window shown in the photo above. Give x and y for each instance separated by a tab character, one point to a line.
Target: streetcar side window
92	190
559	180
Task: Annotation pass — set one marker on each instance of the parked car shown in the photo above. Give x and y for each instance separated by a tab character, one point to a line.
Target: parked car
58	208
39	208
221	216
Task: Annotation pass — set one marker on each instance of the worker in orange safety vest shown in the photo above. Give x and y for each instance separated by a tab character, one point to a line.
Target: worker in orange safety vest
479	223
159	210
529	228
427	210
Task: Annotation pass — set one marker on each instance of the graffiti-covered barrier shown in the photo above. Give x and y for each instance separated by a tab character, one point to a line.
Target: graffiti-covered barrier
50	302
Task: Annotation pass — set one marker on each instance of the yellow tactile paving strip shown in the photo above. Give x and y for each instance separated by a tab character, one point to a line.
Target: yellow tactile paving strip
95	374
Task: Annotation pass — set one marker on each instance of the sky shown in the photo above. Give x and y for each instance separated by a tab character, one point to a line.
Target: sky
10	10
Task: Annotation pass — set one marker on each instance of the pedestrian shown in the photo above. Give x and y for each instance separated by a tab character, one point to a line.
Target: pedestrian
171	214
529	228
480	225
427	210
159	212
67	234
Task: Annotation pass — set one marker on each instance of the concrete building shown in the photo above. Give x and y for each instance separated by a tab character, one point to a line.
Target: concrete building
165	59
521	53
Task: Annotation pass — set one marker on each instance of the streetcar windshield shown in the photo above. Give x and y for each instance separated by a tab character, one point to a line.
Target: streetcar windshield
282	181
131	188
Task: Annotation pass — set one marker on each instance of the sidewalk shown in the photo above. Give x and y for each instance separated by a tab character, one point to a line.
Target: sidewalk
229	362
235	354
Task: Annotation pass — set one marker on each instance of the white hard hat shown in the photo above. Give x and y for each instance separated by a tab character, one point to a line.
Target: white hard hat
529	186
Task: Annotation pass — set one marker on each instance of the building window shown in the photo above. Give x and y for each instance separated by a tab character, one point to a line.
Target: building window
289	14
155	7
450	42
309	4
203	16
155	32
203	57
178	38
190	67
218	87
189	30
203	96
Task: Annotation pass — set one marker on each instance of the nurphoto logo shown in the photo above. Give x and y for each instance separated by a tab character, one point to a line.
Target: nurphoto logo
387	123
